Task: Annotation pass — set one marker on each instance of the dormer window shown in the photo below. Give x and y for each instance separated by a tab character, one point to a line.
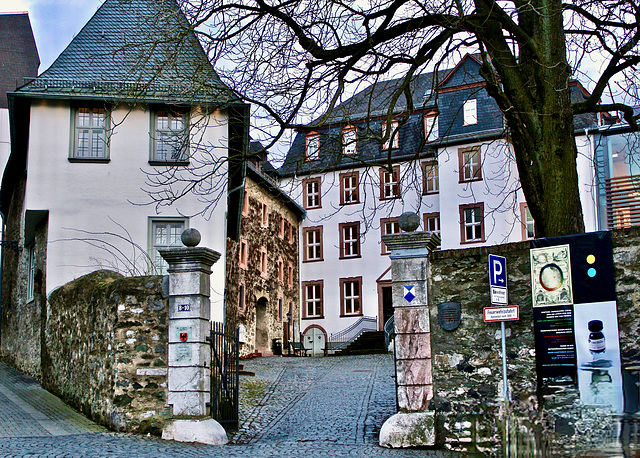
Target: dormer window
470	112
313	147
392	141
349	140
431	128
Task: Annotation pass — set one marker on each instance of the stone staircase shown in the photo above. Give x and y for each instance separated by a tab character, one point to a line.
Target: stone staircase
368	343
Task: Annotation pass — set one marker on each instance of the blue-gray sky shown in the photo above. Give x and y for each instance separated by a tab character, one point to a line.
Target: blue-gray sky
54	22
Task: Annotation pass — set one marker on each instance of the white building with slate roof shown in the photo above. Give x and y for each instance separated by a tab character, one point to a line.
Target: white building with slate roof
450	162
115	109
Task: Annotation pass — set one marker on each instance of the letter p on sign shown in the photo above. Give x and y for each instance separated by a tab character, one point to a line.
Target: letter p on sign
497	271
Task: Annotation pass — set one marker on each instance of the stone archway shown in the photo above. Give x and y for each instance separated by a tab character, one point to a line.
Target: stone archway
262	331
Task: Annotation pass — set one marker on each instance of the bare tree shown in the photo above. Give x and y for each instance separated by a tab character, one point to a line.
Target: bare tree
295	59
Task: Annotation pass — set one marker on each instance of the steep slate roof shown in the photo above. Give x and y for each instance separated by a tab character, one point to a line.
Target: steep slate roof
18	53
370	104
368	109
133	49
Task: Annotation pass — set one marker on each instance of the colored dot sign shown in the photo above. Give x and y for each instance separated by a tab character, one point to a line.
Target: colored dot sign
591	271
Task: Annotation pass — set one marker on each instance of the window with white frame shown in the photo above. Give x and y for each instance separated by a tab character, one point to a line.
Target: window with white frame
472	223
312	291
350	295
165	234
90	133
432	222
388	226
311	193
431	128
391	142
170	136
31	272
313	147
349	240
390	183
470	164
528	225
349	188
470	112
312	244
430	177
349	140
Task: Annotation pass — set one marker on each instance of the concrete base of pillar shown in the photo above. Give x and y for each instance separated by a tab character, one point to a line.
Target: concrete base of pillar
206	431
414	429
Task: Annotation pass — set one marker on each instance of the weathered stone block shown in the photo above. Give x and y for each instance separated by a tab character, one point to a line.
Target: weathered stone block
412	320
197	330
419	292
411	270
206	431
409	430
414	398
193	403
192	306
187	283
189	379
189	354
414	372
412	346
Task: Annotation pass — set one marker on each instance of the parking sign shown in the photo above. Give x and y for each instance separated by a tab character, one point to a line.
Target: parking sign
498	279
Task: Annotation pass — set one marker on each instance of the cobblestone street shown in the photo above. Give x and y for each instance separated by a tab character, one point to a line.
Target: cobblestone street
291	407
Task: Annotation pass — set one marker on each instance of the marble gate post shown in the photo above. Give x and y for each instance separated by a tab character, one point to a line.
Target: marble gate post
414	425
189	375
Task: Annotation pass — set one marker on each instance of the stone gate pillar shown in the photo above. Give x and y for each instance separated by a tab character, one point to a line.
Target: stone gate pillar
414	425
189	375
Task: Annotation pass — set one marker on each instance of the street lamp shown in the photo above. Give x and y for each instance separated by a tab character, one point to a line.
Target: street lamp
289	333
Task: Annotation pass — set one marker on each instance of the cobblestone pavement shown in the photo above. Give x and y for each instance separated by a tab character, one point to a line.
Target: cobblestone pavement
324	407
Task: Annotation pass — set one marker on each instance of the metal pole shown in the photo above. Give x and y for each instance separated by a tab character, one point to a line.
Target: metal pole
505	388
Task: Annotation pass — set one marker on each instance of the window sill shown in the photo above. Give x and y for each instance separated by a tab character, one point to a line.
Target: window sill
349	203
350	257
430	193
319	317
88	160
313	260
469	181
468	242
168	163
312	208
389	198
349	315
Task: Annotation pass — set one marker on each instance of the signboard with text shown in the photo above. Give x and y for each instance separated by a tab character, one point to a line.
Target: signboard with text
504	313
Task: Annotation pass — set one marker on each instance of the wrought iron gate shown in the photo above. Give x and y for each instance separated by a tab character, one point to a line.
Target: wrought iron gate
225	347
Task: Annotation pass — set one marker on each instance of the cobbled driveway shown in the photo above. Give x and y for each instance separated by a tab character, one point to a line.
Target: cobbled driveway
291	407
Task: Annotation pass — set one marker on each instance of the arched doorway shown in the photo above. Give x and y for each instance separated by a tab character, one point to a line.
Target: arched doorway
262	332
314	339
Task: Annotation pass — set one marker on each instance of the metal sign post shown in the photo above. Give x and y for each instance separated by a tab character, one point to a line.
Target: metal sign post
499	296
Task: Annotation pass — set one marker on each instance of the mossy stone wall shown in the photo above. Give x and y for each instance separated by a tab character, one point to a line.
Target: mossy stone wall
104	349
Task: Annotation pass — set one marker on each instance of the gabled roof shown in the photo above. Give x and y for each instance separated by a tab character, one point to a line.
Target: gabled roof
133	49
18	53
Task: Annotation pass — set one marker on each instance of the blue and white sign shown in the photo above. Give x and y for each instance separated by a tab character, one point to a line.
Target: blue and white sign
408	293
498	279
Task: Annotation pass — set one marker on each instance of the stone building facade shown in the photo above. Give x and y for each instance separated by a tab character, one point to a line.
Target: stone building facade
262	265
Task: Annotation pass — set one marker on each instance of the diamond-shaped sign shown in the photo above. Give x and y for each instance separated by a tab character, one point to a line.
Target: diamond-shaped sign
408	293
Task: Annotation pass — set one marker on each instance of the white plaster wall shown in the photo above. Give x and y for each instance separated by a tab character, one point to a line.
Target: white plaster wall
587	182
88	202
499	191
5	138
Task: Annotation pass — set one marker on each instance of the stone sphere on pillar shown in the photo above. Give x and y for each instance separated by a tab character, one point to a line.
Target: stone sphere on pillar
409	221
190	237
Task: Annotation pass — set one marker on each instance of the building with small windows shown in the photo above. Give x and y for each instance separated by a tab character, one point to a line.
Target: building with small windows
93	139
448	160
262	262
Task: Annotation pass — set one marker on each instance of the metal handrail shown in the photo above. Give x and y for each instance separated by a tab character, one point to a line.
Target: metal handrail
389	330
341	339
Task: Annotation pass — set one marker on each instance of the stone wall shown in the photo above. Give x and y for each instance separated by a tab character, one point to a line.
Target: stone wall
467	362
105	349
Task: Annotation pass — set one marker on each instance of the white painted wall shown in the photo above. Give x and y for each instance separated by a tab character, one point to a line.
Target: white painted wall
499	191
5	138
89	201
